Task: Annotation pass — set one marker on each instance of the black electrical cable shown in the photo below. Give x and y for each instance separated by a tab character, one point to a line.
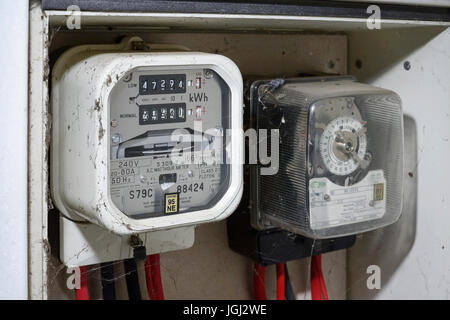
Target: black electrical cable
107	271
288	291
132	279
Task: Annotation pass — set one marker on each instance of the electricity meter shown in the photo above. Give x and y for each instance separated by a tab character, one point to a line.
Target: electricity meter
340	156
142	139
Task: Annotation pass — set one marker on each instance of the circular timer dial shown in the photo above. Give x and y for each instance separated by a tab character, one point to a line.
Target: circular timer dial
343	144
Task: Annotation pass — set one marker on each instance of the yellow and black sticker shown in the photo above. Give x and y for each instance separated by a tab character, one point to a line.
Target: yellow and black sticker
378	191
172	202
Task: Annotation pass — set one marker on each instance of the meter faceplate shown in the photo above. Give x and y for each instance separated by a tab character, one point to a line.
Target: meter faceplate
161	124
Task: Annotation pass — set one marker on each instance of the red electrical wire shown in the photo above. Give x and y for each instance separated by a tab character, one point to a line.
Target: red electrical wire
156	276
148	278
259	290
323	286
83	292
280	282
318	288
153	277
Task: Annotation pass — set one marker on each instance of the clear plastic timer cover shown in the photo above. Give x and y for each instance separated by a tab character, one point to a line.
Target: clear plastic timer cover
355	163
341	157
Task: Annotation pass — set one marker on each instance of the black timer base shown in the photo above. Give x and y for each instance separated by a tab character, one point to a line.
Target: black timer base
275	245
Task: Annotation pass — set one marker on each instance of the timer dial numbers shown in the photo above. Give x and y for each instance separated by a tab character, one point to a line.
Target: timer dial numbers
343	145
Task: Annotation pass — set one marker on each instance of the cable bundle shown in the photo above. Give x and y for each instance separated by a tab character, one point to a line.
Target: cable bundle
259	290
152	277
284	286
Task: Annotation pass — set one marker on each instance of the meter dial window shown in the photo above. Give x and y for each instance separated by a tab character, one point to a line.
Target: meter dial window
343	145
165	158
339	145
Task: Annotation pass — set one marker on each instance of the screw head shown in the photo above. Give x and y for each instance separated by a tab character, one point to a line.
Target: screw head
367	156
349	146
208	74
128	77
115	138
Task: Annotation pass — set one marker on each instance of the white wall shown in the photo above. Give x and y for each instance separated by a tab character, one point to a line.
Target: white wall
414	253
13	149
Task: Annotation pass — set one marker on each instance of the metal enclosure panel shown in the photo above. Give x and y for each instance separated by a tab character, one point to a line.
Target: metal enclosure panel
13	159
324	53
413	254
211	237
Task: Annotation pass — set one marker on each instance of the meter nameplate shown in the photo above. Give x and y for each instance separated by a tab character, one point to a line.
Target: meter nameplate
333	205
136	185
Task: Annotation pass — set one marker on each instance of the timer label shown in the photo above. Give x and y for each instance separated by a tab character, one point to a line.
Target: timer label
171	203
332	205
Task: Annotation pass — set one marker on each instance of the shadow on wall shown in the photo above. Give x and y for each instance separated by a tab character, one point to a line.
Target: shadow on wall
387	247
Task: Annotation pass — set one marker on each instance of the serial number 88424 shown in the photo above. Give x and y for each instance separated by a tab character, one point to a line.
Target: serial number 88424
193	187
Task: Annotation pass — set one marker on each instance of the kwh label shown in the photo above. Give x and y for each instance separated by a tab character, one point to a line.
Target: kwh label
198	97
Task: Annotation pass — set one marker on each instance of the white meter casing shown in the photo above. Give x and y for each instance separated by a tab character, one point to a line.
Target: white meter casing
119	119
